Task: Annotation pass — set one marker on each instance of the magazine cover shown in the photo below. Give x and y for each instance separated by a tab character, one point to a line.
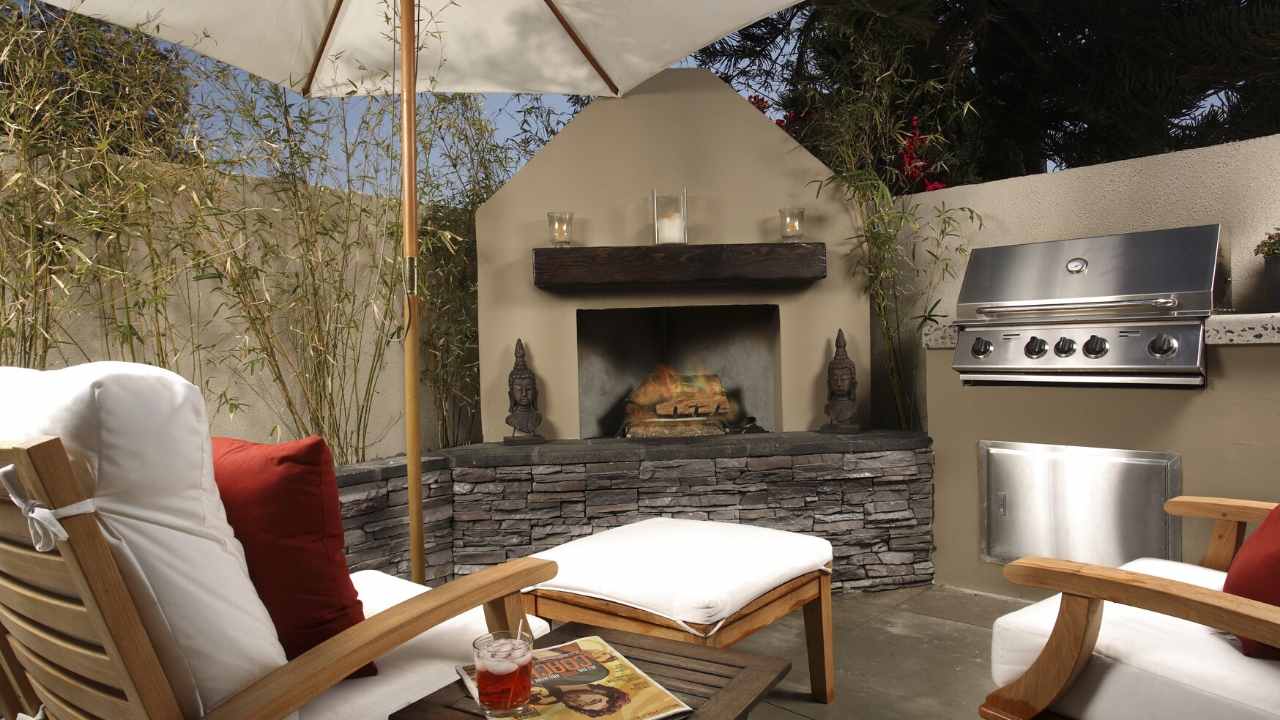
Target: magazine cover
587	678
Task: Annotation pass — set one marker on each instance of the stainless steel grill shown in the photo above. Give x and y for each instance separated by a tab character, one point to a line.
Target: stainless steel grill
1117	309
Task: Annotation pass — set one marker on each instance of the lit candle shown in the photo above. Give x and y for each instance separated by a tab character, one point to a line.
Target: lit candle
792	223
670	229
560	224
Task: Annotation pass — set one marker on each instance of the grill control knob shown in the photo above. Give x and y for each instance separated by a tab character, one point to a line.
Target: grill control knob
1095	347
982	347
1163	346
1065	347
1036	347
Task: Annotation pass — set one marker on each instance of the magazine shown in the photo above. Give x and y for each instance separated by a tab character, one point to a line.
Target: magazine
586	678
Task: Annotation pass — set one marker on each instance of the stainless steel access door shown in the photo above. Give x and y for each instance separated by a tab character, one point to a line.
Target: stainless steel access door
1085	504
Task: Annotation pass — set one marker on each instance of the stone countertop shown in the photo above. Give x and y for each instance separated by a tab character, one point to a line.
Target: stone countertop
561	452
1243	329
1225	329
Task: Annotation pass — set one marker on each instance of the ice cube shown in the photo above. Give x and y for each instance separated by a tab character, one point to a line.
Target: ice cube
500	667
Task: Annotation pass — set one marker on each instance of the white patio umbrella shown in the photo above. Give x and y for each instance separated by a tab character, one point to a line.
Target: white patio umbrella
340	47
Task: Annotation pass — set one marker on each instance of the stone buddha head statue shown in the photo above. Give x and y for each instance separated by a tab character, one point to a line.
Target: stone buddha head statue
522	395
841	375
842	386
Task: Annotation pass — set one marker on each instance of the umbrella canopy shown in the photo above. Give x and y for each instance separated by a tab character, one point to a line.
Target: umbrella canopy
336	47
345	47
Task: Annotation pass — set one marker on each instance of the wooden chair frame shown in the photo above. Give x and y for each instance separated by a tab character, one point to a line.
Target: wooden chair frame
73	639
811	591
1085	587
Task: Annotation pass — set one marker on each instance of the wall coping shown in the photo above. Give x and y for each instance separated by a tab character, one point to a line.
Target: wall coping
572	452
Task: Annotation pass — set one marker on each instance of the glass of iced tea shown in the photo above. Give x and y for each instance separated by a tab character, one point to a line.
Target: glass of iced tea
504	672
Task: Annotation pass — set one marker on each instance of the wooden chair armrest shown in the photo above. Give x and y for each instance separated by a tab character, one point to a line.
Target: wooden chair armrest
1218	610
1231	521
1219	508
291	686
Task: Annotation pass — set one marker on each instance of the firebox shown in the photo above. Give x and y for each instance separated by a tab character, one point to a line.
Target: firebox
678	371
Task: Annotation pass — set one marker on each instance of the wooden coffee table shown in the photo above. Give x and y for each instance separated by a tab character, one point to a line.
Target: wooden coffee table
718	684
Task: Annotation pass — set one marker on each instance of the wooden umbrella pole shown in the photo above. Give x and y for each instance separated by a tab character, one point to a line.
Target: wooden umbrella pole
412	306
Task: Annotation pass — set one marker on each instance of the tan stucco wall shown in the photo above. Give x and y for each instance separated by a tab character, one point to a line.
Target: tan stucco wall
1227	433
682	128
200	320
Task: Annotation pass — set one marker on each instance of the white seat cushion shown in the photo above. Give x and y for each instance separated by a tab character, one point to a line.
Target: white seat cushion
692	571
144	433
1147	666
411	671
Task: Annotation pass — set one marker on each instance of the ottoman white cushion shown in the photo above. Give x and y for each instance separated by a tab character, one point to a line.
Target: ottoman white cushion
693	571
411	671
144	433
1147	666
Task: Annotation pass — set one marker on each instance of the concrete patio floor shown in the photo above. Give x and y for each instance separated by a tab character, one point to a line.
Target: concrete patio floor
911	654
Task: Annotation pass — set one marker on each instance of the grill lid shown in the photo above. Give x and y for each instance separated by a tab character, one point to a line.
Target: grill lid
1161	273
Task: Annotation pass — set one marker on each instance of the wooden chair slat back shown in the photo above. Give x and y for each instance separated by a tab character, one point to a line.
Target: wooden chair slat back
13	526
73	637
42	571
58	708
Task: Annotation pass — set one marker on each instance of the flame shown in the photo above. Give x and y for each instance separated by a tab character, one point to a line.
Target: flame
667	393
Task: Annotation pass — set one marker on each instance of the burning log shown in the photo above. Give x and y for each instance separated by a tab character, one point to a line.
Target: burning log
671	404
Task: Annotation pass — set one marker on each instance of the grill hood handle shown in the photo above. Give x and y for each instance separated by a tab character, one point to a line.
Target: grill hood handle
1165	303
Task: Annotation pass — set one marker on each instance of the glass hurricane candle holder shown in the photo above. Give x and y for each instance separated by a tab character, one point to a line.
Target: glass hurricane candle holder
560	226
792	223
670	218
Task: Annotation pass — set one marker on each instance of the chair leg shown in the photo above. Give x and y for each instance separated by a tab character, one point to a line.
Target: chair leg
817	631
1067	651
506	613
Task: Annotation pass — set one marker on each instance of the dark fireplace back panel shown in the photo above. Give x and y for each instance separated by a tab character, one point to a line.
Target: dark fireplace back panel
618	348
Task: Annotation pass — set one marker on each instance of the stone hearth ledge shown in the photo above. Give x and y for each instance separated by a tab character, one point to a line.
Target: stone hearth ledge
568	452
870	494
1224	329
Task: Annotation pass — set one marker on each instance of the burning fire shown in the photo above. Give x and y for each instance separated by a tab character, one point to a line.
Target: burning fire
668	397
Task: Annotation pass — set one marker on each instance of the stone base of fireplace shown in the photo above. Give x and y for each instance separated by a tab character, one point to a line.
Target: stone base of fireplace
870	494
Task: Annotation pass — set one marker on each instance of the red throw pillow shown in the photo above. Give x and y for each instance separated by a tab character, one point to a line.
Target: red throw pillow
1255	574
282	503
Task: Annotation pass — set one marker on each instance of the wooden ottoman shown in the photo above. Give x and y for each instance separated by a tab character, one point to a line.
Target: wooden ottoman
695	581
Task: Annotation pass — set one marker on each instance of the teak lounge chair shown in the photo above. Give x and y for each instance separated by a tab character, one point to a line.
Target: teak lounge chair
145	610
76	643
1162	648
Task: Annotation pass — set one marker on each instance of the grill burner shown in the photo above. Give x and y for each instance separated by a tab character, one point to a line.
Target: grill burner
1123	309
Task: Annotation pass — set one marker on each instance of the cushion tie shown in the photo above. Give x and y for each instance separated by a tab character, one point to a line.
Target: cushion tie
42	522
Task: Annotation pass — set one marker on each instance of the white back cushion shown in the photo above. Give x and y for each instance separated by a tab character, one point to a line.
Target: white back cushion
144	433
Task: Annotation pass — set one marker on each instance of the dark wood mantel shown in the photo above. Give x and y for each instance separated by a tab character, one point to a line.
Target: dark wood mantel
667	266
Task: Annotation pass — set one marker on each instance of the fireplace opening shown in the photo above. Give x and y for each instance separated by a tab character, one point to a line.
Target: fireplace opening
678	371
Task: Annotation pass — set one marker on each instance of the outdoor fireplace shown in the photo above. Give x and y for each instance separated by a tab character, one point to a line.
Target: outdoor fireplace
678	371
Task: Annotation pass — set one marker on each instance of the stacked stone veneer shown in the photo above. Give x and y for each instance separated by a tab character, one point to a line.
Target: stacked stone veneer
875	506
375	516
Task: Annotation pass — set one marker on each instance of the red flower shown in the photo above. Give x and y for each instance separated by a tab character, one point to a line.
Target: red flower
759	102
913	165
780	123
931	185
